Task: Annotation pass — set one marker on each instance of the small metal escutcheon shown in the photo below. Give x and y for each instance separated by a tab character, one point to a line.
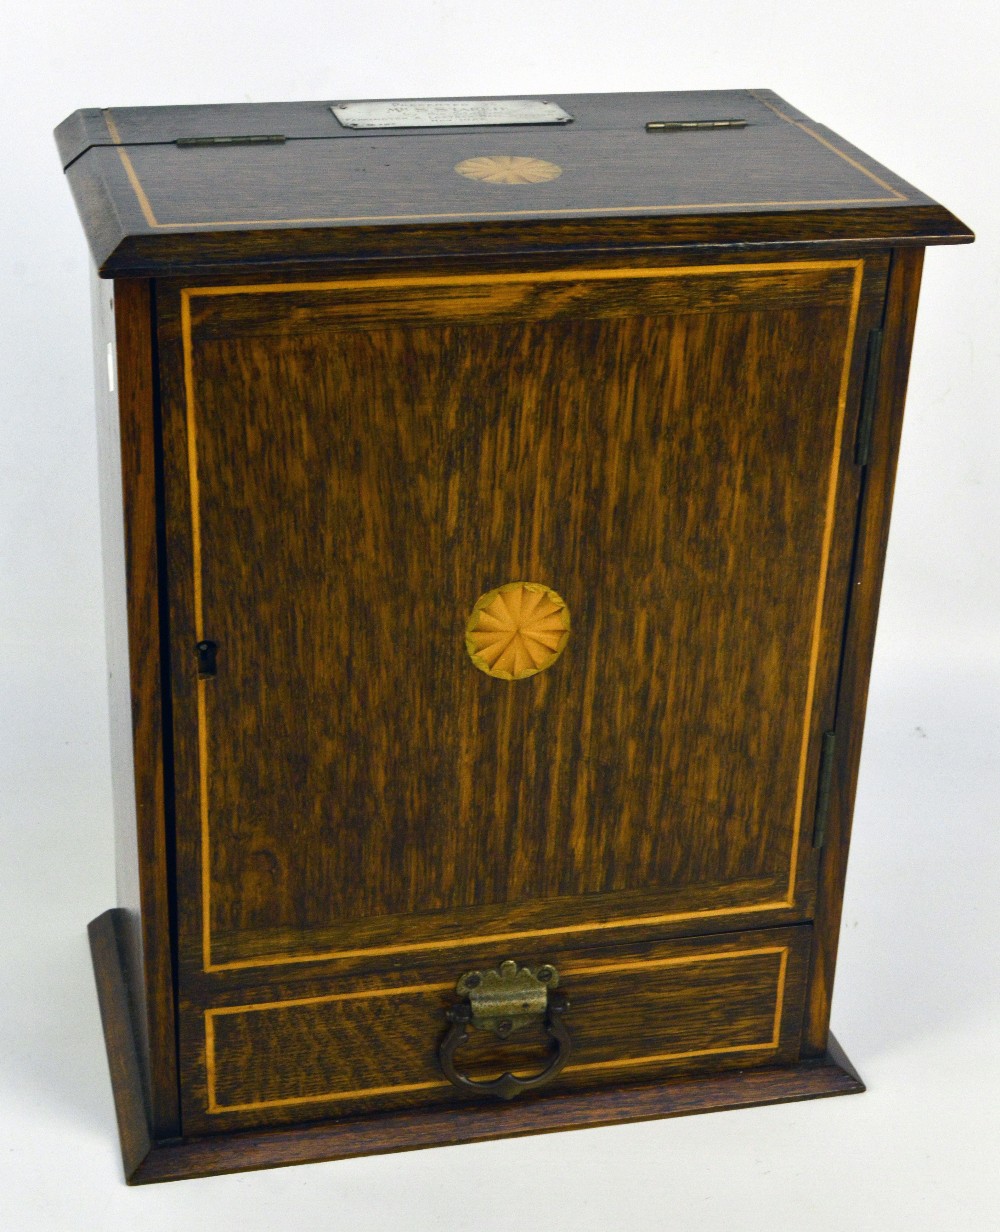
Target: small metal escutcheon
504	1000
207	653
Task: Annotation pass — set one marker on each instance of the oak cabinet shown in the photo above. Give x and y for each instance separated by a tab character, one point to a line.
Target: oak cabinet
495	516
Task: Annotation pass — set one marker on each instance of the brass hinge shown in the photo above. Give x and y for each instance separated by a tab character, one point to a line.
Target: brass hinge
823	790
678	126
873	362
252	139
508	997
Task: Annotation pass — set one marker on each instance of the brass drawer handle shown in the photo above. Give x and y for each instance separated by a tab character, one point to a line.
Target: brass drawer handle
502	1001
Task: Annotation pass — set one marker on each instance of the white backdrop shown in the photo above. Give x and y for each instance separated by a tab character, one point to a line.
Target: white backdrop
914	84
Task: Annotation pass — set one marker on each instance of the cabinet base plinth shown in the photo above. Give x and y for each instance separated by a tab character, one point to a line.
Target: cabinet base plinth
146	1161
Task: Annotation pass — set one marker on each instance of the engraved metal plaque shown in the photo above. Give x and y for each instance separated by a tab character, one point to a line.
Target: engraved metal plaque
448	113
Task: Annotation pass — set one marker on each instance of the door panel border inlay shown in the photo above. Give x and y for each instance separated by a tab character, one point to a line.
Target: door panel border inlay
187	294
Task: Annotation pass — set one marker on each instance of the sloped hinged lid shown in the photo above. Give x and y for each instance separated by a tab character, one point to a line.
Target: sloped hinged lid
177	189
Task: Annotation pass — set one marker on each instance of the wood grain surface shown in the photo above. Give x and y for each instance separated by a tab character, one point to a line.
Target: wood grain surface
348	1137
859	640
127	436
635	1013
147	1160
383	477
300	183
115	971
151	206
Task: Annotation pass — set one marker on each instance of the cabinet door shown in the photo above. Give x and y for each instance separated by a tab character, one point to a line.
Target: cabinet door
664	454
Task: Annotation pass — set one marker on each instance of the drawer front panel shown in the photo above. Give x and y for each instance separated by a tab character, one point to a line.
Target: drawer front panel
636	1014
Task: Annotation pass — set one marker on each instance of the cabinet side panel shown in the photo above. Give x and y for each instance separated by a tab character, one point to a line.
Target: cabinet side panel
116	635
869	563
127	461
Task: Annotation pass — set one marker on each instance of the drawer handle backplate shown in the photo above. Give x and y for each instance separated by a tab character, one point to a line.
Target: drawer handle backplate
502	1001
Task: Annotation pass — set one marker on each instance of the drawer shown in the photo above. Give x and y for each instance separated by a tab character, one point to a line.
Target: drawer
635	1014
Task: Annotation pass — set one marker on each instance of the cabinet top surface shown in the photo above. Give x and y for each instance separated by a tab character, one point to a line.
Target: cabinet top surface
179	189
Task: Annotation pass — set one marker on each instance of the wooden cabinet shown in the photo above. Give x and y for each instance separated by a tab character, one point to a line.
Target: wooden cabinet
495	521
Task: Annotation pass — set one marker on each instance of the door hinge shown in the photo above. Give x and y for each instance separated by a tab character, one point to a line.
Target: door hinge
680	126
250	139
206	652
823	790
869	388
